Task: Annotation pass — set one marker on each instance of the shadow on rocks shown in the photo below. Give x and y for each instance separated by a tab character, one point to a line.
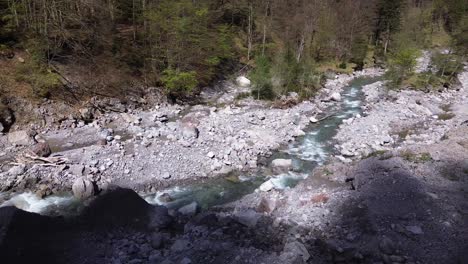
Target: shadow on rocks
397	217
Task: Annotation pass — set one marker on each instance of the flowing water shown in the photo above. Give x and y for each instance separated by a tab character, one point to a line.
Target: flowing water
307	152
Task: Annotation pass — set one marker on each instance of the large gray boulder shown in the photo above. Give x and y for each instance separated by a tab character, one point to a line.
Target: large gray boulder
189	132
295	252
282	163
189	209
41	149
21	137
83	188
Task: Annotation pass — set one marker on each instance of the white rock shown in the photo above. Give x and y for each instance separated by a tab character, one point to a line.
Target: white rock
336	97
267	186
313	120
83	188
243	81
21	137
282	163
210	155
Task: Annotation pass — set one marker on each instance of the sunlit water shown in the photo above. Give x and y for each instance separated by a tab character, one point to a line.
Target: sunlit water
307	152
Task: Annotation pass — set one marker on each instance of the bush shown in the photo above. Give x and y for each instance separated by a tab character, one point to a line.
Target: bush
178	83
41	78
401	65
261	78
447	64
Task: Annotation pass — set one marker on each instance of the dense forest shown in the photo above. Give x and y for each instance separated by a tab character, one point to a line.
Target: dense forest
183	45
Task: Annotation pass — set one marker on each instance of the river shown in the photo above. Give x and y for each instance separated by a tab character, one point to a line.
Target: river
307	152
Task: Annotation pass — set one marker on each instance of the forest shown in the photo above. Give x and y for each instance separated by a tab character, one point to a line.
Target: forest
184	45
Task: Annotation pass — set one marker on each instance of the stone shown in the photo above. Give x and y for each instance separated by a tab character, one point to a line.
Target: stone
83	188
282	163
157	241
335	97
266	186
295	252
42	149
21	137
2	128
17	170
313	120
242	81
159	218
185	261
180	245
190	132
131	119
415	230
76	169
386	245
86	114
210	155
166	175
266	205
248	218
189	209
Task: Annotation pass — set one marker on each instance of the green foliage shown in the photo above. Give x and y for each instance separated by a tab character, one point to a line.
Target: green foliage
401	65
43	81
359	51
416	157
261	78
186	38
447	65
179	83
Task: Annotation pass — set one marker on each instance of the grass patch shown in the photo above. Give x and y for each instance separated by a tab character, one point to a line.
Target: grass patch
445	116
403	134
336	67
416	157
446	107
327	172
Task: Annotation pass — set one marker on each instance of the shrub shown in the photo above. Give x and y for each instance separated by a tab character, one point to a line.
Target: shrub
261	78
41	78
179	83
401	66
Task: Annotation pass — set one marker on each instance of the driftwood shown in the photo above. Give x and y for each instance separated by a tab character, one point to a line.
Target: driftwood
30	157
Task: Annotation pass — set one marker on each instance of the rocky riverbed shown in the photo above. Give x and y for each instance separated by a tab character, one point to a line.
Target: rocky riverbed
163	146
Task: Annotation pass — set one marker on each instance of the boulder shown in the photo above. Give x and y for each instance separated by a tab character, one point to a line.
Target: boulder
294	252
242	81
21	137
86	114
189	209
266	186
190	132
131	119
313	120
282	163
267	205
157	240
335	97
41	149
83	188
248	218
2	128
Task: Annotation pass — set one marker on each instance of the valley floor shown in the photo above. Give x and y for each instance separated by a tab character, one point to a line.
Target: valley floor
396	192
